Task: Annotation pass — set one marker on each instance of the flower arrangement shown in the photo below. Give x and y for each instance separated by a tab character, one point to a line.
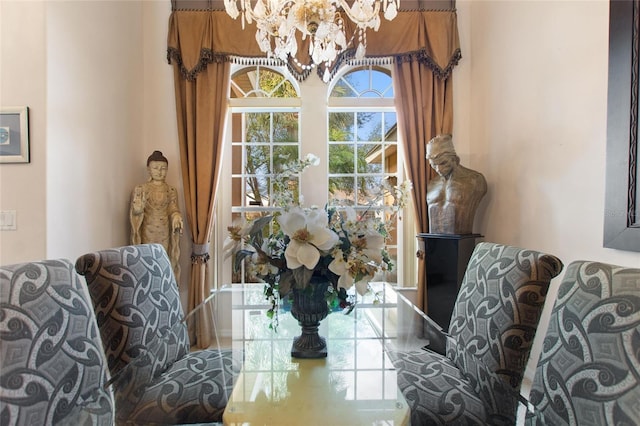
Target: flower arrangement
288	249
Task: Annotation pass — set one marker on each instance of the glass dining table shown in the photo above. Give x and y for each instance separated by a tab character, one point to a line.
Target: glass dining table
355	384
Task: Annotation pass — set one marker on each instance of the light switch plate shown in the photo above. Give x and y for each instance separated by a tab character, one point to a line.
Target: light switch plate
8	220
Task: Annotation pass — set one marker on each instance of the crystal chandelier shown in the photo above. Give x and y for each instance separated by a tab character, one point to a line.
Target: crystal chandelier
278	21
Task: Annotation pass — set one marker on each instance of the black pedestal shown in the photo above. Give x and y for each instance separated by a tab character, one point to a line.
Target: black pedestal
446	257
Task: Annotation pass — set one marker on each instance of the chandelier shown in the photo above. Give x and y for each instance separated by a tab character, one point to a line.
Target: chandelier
278	21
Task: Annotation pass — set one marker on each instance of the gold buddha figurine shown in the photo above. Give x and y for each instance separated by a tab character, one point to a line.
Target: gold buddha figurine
154	213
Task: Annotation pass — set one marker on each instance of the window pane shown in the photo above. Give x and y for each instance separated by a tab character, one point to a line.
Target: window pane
381	82
341	190
257	190
343	89
258	160
390	126
370	158
285	127
293	185
341	158
370	126
369	186
365	82
261	82
258	127
269	80
341	126
283	154
285	90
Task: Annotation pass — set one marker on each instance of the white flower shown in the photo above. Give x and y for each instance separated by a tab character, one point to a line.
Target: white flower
341	268
260	265
237	233
371	245
312	159
309	233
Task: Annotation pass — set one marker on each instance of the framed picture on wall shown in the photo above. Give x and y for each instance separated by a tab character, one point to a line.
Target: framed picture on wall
14	135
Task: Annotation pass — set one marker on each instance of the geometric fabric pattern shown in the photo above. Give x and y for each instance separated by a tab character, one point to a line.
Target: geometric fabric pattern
493	324
157	379
436	390
52	364
136	301
589	369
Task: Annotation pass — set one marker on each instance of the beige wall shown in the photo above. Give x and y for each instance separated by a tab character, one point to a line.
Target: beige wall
531	105
531	114
94	122
23	83
100	93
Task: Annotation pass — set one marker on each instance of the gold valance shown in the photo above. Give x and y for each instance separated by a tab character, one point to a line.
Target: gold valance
199	37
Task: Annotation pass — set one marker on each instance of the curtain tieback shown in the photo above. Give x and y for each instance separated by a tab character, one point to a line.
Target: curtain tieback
200	253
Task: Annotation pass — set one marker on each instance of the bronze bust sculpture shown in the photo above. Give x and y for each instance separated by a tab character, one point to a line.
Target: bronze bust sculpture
454	195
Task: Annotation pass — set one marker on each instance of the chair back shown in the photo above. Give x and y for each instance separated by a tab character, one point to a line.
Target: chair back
137	304
495	319
589	368
52	364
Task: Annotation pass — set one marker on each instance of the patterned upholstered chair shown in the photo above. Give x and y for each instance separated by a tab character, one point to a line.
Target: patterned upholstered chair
477	381
589	369
158	380
52	365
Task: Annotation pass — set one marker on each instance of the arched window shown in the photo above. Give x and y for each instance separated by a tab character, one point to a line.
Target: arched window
263	134
350	124
363	143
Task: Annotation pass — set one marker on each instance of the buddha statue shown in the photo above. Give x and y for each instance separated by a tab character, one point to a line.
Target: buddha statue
154	213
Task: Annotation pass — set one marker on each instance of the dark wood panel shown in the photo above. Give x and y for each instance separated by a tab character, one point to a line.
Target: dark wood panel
622	209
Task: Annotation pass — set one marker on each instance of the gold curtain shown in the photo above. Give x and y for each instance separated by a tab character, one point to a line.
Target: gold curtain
201	43
201	37
201	109
424	104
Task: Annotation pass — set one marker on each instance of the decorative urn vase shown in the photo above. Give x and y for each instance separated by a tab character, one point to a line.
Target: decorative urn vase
309	307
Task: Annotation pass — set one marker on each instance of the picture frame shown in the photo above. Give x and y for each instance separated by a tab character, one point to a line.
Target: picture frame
622	192
14	135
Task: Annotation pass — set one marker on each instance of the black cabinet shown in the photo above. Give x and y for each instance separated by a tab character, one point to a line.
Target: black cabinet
446	259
